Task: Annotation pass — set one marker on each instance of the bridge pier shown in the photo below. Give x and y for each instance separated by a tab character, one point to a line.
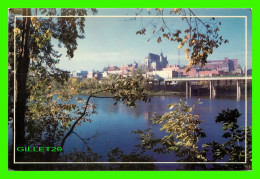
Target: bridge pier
212	89
238	90
187	89
190	89
225	81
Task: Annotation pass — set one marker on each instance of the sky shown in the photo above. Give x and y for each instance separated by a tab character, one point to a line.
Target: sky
113	41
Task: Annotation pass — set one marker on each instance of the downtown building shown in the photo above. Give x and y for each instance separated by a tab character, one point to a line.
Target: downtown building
155	62
211	68
226	65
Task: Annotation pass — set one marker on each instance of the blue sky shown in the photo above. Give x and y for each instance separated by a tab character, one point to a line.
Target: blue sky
113	41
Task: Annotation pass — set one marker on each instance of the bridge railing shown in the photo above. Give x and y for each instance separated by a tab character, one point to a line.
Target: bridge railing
203	77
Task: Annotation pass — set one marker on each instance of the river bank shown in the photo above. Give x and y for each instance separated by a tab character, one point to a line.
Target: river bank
194	92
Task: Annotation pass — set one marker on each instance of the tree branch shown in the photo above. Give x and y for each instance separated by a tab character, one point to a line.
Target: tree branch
87	139
82	115
197	17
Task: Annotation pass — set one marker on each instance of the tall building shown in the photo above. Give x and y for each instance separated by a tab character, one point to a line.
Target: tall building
226	65
232	63
155	62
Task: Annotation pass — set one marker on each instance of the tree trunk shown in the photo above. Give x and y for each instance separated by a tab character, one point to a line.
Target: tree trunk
21	73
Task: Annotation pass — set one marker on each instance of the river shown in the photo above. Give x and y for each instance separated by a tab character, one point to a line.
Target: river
113	124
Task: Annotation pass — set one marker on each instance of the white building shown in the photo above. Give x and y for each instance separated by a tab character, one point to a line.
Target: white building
79	74
163	74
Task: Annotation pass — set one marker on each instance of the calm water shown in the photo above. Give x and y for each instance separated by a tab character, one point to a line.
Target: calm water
113	124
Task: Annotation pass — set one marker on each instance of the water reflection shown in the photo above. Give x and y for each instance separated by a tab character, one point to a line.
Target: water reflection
116	122
112	126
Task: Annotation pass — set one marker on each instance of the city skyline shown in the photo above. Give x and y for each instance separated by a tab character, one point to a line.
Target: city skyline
168	65
113	41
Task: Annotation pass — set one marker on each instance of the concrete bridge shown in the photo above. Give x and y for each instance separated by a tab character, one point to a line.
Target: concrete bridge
211	80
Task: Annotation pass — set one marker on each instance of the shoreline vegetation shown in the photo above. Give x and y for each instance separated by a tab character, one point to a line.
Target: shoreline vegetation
85	86
149	93
166	93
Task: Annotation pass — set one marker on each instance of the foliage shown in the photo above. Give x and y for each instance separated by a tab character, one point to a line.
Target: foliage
43	33
48	116
116	155
33	57
183	132
125	89
200	37
128	90
81	156
49	112
233	150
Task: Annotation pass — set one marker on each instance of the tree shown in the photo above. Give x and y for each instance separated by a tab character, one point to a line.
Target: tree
233	148
200	37
183	131
127	90
34	51
34	69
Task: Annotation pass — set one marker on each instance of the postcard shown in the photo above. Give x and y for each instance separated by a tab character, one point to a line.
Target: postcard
130	89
